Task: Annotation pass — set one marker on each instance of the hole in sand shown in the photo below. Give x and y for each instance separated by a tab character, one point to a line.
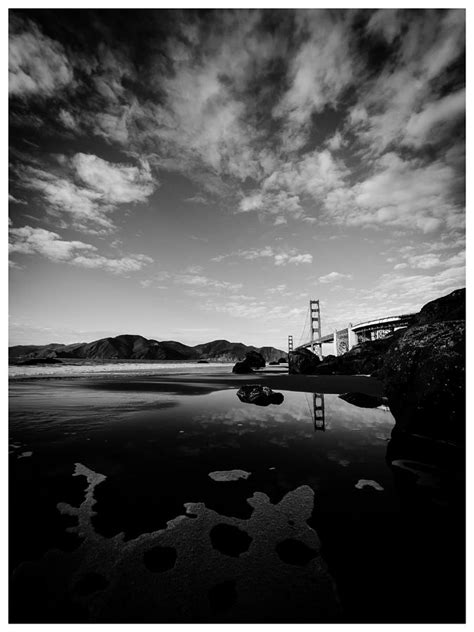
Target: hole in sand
229	539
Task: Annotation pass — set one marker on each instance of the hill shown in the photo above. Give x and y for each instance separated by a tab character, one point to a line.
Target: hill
132	347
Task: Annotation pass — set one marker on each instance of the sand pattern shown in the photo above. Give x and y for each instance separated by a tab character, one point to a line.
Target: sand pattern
202	567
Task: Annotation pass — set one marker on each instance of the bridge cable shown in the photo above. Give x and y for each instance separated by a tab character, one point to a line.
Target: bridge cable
302	336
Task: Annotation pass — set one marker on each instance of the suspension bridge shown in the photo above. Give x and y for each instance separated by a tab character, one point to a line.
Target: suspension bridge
344	339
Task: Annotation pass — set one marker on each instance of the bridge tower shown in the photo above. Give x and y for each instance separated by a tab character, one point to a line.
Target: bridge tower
315	316
290	349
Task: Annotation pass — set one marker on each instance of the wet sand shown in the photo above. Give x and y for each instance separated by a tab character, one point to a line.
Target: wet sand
164	498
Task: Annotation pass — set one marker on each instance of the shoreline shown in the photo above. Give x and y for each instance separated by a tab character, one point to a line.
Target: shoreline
276	380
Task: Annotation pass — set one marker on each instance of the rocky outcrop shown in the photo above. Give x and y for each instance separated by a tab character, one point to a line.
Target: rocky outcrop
255	360
259	395
242	367
365	359
424	379
303	361
450	307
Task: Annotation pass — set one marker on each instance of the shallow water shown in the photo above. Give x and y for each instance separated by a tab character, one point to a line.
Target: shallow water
158	447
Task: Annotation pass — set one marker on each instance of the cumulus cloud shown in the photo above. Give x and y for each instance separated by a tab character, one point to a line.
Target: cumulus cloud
403	193
38	65
89	189
331	277
30	241
116	183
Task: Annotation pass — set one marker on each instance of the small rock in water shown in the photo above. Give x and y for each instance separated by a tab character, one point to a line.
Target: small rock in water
363	482
259	395
224	476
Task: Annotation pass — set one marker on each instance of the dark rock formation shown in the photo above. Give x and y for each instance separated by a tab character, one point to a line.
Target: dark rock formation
424	379
450	307
242	367
258	395
303	361
273	364
364	359
255	359
282	360
203	361
363	400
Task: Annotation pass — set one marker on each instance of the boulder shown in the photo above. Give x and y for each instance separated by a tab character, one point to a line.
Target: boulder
255	359
303	361
259	395
242	367
364	359
424	380
282	360
363	400
273	363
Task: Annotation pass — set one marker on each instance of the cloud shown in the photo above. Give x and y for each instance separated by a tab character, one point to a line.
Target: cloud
14	200
38	241
402	193
428	43
196	199
197	280
116	183
318	73
280	258
88	189
38	65
285	258
334	276
441	113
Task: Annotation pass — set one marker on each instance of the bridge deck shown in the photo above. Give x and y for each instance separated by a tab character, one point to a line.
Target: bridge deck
377	324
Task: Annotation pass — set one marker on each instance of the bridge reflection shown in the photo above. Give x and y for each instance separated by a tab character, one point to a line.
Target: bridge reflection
317	411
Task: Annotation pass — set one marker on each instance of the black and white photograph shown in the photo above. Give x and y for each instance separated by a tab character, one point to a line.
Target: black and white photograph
236	300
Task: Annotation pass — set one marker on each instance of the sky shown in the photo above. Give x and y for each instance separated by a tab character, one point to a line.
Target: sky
197	175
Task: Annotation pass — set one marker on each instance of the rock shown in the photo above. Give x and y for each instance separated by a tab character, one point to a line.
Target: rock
282	360
259	395
242	367
450	307
363	400
303	361
273	364
255	359
424	379
364	359
203	361
33	361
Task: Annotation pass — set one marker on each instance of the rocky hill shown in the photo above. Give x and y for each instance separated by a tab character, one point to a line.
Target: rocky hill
132	347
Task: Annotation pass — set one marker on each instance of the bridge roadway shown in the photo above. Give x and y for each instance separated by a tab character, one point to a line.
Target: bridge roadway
364	330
